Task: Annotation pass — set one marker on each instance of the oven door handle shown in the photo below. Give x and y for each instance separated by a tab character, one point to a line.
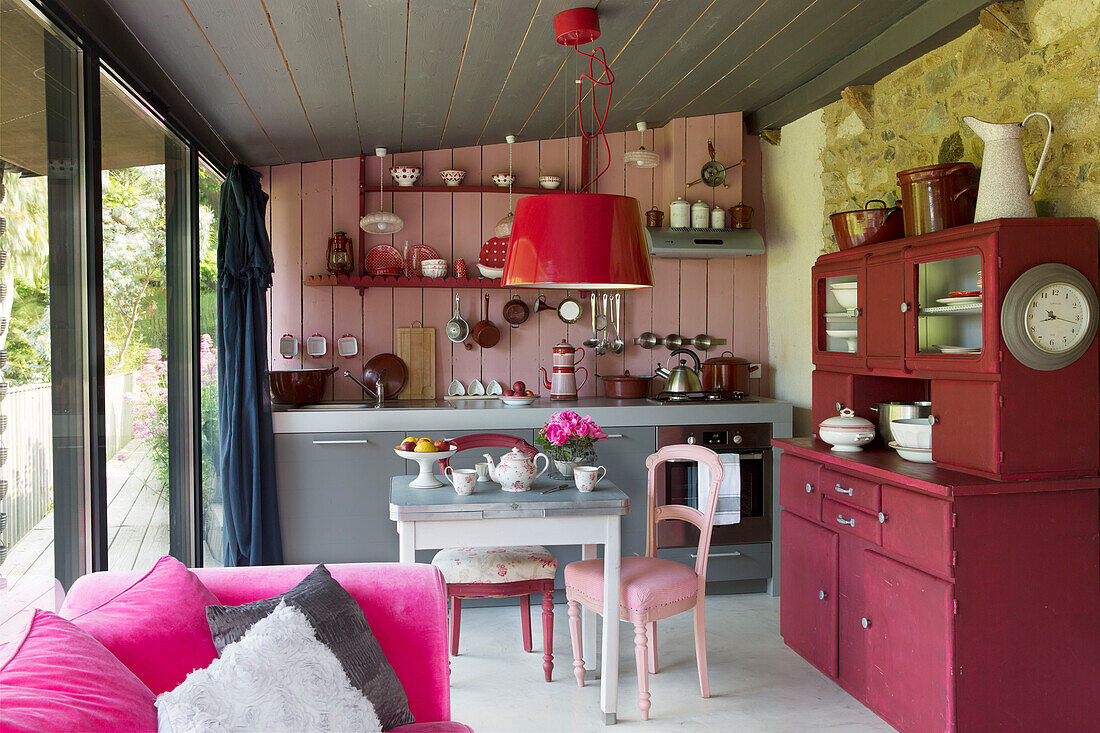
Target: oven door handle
744	457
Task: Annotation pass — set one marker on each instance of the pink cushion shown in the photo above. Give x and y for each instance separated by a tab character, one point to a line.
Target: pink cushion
156	626
444	726
55	677
646	584
404	604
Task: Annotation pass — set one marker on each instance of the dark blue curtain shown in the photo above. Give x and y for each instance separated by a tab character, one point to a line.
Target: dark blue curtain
247	444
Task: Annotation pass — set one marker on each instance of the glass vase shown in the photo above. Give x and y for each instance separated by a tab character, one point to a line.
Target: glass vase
563	470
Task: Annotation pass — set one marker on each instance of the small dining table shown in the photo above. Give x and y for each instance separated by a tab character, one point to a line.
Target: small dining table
438	518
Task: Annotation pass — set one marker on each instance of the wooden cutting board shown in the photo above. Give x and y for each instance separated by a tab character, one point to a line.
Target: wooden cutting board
416	346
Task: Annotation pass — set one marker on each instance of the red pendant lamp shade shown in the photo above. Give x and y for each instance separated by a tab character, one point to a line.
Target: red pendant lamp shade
580	241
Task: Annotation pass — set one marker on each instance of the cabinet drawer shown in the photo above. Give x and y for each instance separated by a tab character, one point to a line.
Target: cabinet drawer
851	520
850	490
799	489
917	527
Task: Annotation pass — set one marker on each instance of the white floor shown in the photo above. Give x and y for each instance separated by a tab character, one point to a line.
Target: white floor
756	682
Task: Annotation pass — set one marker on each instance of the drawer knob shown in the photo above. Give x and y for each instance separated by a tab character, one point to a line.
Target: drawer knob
841	520
809	488
843	491
822	595
882	518
866	622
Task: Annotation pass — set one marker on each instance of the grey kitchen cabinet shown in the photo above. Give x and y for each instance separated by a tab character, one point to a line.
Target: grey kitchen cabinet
334	491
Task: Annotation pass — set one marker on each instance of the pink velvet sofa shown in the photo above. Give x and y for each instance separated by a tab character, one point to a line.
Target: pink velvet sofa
404	604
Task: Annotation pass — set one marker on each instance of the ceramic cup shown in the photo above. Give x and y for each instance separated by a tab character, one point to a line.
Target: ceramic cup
463	479
482	473
586	477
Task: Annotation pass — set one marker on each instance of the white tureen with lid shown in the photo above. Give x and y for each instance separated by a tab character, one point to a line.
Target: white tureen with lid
846	432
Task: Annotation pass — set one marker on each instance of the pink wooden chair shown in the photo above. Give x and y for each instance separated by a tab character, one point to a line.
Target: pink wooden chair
652	588
500	572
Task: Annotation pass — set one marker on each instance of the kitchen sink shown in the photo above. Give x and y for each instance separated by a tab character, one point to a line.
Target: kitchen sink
361	405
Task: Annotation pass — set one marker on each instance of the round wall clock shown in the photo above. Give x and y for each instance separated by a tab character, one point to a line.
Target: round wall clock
1049	316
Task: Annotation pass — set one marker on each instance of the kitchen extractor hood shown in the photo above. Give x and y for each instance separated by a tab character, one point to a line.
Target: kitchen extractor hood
703	243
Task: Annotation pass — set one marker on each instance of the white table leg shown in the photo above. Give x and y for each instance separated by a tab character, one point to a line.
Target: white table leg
609	675
588	620
407	533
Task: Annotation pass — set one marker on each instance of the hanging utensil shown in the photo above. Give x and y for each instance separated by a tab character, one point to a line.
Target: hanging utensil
617	344
592	342
704	342
601	314
457	329
485	333
649	340
516	312
570	310
541	304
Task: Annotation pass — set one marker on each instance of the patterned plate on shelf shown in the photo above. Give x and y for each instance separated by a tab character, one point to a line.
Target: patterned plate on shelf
416	255
383	260
960	300
959	349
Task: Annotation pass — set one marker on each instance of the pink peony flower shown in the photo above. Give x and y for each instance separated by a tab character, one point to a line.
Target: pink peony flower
556	434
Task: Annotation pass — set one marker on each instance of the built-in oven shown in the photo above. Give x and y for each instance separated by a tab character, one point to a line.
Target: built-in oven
677	482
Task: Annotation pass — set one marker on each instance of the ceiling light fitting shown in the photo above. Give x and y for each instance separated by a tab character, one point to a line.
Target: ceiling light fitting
381	221
503	228
580	241
641	158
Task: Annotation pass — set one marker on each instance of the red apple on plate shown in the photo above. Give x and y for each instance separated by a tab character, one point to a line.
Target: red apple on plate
509	393
442	445
519	388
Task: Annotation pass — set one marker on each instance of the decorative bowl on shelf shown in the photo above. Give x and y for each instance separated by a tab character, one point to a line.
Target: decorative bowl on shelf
503	179
434	268
846	294
405	175
912	432
846	432
493	272
916	455
452	177
850	336
426	478
549	181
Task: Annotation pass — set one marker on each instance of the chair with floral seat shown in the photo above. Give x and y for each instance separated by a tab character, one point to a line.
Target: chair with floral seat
652	588
500	572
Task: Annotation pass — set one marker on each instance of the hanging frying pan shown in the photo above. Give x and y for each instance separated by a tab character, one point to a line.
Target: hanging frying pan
485	334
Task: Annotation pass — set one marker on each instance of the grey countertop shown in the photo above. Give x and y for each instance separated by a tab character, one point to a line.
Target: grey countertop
492	414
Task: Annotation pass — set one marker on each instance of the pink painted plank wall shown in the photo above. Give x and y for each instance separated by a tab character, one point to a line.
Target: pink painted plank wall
309	201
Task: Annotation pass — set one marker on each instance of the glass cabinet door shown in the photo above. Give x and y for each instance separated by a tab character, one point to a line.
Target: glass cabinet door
838	326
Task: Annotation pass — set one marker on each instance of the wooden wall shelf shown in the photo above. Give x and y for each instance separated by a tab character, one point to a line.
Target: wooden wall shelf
516	190
400	281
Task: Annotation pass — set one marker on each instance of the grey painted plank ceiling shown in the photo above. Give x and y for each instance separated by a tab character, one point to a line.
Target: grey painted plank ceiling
287	80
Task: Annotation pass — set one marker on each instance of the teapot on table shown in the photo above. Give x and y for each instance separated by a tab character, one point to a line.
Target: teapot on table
516	471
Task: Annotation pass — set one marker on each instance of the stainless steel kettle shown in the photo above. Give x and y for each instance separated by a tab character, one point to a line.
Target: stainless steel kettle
681	379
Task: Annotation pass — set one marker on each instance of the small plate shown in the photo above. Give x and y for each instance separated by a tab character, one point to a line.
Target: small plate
946	349
965	294
518	401
916	455
960	300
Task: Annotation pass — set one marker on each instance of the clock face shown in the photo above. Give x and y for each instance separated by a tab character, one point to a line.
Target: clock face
1057	317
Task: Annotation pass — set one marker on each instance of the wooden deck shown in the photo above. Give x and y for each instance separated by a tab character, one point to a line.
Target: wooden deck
137	521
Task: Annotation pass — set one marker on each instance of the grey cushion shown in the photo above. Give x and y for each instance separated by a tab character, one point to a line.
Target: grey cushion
340	625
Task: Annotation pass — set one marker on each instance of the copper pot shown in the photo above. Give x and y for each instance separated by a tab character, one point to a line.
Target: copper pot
298	386
867	225
654	217
741	216
484	333
725	373
626	386
937	197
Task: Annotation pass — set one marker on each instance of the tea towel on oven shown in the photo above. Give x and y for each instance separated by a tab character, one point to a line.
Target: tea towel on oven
729	491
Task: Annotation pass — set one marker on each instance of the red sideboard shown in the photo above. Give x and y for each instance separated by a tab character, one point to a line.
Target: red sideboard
963	595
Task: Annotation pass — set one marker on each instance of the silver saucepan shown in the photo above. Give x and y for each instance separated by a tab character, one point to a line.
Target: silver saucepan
888	411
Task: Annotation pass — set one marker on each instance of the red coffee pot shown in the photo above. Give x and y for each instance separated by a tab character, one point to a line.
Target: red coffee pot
564	385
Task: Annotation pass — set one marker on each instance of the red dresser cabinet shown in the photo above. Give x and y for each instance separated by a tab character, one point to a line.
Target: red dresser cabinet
963	595
997	417
941	600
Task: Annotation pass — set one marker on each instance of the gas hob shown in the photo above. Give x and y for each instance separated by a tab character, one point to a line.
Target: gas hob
693	398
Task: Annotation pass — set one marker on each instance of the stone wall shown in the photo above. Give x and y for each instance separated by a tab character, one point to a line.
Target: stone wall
916	115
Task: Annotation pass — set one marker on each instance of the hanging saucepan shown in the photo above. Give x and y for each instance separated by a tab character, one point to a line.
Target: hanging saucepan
516	312
485	334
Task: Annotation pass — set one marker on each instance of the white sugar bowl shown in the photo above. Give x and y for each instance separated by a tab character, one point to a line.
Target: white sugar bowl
846	432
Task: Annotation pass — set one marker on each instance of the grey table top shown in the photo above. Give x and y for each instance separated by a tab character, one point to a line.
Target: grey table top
489	502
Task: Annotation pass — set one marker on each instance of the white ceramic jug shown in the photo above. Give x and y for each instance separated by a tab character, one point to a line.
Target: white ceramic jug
1003	190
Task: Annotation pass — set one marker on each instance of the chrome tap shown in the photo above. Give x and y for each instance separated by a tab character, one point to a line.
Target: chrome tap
378	394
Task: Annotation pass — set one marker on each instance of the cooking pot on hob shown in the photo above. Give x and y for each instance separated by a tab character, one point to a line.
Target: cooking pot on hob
725	374
626	386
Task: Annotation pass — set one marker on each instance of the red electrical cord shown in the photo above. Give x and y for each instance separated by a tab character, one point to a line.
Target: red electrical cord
600	119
